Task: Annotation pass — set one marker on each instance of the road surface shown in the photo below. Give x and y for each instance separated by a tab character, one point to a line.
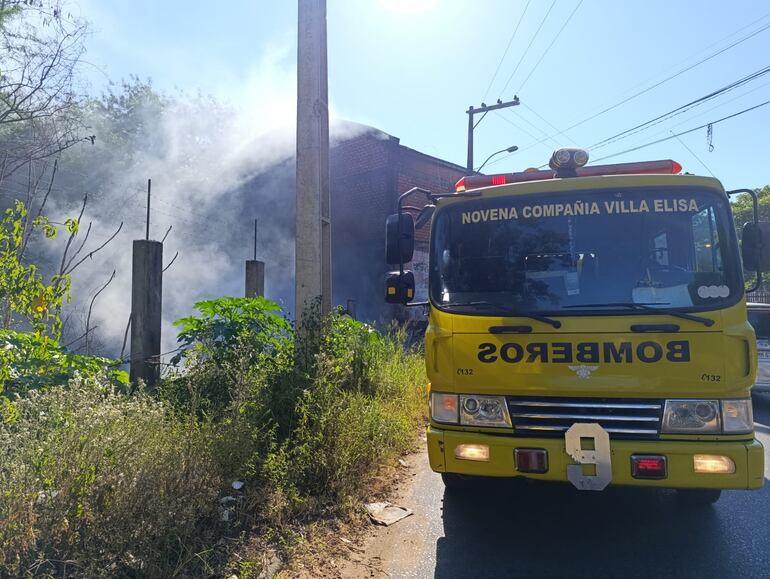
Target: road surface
553	530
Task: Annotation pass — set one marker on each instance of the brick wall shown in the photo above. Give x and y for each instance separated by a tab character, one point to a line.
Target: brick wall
368	173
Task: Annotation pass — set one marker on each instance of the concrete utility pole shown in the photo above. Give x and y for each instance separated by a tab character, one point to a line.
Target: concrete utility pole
146	294
313	222
255	272
146	301
471	125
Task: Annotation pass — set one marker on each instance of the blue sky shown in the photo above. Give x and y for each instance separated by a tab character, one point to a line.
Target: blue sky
412	68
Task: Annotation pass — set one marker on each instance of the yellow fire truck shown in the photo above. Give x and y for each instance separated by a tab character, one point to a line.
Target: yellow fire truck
587	324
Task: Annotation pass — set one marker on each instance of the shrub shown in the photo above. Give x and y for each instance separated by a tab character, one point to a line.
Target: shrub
311	419
97	483
228	338
347	410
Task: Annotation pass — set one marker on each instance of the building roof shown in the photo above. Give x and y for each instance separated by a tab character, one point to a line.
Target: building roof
342	129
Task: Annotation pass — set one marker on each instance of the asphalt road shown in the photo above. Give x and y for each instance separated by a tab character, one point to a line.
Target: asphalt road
552	530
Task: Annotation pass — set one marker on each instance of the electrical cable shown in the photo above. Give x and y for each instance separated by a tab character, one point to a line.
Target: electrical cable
707	111
517	127
668	78
681	109
674	135
499	64
549	46
681	142
547	122
524	54
531	124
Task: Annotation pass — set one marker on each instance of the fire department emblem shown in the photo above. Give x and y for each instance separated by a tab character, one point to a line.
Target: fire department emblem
583	371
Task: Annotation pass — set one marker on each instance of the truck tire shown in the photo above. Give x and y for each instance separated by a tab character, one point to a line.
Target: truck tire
699	497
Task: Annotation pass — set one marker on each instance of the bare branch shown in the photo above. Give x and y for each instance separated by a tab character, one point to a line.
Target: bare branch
62	268
80	247
173	259
167	232
87	333
98	249
66	322
90	307
125	337
42	206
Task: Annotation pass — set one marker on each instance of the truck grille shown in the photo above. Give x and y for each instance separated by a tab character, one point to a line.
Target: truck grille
620	417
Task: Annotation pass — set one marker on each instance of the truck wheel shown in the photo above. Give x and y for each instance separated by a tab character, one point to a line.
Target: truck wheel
457	482
699	497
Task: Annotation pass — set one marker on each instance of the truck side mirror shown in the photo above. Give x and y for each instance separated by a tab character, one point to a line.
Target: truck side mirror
399	287
424	216
755	246
399	238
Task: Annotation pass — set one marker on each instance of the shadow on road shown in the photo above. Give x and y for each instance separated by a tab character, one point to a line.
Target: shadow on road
519	529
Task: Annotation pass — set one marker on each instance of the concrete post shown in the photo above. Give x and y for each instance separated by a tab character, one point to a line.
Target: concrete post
255	278
313	224
146	297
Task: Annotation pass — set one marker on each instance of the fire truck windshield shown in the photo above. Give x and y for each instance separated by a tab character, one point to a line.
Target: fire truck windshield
671	248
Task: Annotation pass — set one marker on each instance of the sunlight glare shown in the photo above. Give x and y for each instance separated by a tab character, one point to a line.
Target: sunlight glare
409	6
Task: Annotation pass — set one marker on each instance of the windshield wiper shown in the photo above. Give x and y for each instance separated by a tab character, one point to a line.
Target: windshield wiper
648	307
513	312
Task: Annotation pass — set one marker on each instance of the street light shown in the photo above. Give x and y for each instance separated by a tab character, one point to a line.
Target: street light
508	150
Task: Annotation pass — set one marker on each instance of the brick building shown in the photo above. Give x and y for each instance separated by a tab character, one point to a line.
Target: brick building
368	172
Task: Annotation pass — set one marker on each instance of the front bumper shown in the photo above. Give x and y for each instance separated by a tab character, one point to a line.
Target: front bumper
748	456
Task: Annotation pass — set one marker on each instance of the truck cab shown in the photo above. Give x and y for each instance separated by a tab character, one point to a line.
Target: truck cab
588	325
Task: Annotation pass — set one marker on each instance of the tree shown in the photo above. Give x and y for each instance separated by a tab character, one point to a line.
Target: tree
40	50
743	207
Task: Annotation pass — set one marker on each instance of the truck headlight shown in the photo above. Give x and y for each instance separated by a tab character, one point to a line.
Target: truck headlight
737	416
443	407
691	417
478	410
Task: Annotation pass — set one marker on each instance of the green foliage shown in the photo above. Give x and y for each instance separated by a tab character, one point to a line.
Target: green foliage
8	12
24	296
743	208
322	416
120	484
743	212
222	346
29	361
225	321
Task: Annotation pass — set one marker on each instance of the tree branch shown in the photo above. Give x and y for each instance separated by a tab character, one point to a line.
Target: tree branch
98	249
173	259
62	267
125	336
90	307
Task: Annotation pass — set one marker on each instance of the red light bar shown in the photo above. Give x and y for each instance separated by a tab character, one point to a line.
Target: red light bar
499	180
664	167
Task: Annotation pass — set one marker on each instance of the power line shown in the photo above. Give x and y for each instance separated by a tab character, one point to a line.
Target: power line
719	106
547	122
502	58
528	47
673	76
549	46
681	109
534	126
516	126
681	142
657	84
674	135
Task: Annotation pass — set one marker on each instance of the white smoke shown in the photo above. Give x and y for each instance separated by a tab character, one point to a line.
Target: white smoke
214	168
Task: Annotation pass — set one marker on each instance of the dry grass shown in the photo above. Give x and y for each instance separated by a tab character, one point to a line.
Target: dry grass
99	483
